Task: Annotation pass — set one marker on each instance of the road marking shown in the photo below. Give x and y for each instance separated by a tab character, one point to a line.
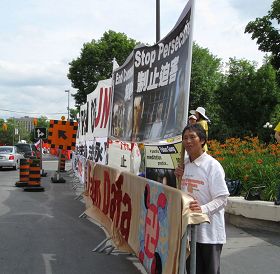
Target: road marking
47	258
34	213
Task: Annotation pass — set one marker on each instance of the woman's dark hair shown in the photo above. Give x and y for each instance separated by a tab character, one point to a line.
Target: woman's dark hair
198	129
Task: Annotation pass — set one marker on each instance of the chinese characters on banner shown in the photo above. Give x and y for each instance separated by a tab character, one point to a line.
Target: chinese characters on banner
94	124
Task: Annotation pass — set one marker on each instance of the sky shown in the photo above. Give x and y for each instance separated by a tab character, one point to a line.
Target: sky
39	38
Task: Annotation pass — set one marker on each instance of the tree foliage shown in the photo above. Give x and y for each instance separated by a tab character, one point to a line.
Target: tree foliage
205	77
266	31
95	62
248	97
9	135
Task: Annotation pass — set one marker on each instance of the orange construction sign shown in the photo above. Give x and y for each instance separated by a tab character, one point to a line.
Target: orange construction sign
62	134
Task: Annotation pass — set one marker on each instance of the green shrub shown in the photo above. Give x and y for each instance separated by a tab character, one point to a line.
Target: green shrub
250	161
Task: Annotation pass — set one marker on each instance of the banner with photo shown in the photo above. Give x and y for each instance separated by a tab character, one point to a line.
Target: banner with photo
122	106
161	83
151	89
161	161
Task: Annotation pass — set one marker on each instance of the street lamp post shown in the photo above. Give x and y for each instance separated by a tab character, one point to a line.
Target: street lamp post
68	91
157	20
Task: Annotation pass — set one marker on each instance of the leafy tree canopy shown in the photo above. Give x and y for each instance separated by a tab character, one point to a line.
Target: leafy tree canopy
95	62
266	31
248	97
206	76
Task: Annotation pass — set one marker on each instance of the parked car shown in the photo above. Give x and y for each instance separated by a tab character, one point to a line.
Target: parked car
28	150
10	157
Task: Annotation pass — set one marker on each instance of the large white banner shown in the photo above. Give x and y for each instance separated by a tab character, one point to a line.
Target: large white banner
98	104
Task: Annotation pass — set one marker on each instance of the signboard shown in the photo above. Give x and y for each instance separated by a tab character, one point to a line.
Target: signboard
40	133
62	134
161	161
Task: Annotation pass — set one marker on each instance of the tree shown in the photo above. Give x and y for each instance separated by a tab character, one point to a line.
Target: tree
206	76
8	133
248	97
264	29
95	62
73	113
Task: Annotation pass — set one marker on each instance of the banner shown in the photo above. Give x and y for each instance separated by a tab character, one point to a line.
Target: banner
79	167
95	113
141	216
100	151
151	90
98	105
83	123
124	156
161	84
122	114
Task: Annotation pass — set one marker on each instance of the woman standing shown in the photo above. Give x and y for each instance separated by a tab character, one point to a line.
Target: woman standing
203	178
203	120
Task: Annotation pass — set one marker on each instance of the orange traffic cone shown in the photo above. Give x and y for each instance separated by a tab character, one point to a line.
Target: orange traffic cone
23	173
34	180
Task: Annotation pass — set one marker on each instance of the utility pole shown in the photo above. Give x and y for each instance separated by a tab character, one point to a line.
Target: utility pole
68	110
157	20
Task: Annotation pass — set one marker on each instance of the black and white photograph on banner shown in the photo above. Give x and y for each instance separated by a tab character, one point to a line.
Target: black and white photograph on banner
161	84
122	107
162	175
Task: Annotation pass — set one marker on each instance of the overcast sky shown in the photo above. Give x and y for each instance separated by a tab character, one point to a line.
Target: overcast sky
39	38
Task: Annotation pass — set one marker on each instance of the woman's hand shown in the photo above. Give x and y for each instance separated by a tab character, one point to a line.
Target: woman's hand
179	171
194	206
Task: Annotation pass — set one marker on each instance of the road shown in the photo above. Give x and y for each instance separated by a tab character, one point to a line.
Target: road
41	233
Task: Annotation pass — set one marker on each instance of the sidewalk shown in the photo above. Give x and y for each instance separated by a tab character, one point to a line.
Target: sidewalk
250	251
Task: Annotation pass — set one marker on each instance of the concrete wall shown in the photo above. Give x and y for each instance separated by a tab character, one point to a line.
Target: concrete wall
253	214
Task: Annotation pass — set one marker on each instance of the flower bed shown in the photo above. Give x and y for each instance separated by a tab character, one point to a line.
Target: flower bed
250	161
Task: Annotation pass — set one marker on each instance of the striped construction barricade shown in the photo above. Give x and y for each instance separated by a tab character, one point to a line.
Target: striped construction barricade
23	173
62	163
34	180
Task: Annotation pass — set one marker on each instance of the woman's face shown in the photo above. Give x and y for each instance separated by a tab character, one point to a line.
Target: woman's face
192	121
197	115
192	144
